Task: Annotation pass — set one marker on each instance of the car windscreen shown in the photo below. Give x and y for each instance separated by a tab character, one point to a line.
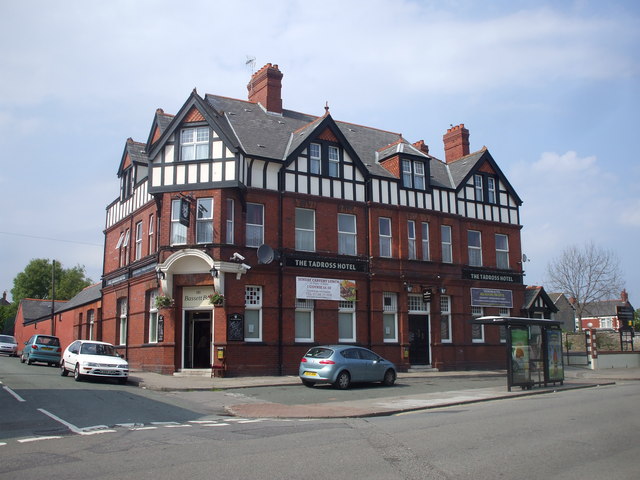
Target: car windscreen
98	349
7	339
319	353
51	341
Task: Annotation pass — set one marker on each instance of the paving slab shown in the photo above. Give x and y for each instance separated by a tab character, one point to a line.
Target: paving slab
575	378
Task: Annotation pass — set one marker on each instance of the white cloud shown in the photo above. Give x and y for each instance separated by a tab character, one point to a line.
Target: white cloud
629	214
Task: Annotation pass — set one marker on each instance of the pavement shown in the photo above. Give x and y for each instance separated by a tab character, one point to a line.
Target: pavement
469	391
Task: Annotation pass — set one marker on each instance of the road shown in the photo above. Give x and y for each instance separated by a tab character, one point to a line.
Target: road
578	434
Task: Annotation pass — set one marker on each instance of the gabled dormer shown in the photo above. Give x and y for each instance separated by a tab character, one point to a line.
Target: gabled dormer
196	149
133	168
408	163
321	161
482	180
325	148
161	122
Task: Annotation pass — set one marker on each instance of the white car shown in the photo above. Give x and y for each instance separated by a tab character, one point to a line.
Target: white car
8	345
89	358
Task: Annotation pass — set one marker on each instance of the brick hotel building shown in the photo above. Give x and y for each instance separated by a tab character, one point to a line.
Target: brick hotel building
314	230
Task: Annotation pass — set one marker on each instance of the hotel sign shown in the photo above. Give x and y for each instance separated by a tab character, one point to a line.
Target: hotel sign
196	297
320	263
491	275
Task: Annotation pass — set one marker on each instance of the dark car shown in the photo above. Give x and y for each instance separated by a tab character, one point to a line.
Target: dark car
342	365
42	348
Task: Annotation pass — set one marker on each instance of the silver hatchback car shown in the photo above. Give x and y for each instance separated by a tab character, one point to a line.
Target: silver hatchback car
342	365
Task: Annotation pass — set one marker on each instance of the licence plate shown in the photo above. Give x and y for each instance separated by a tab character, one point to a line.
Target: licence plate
47	348
310	374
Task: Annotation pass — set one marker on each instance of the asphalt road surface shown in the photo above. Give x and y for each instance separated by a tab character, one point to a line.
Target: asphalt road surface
578	434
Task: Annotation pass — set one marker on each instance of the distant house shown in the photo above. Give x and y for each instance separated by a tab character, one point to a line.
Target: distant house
537	304
605	315
35	316
72	319
566	311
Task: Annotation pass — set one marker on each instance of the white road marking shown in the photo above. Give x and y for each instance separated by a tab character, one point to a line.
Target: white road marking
70	426
14	394
37	439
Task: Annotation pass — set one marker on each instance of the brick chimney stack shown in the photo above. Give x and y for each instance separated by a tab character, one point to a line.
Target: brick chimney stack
265	88
423	147
624	296
456	143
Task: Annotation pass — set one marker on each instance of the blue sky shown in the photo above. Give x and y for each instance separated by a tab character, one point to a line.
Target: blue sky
551	88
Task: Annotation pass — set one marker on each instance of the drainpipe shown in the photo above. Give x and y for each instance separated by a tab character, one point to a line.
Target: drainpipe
369	274
53	297
280	282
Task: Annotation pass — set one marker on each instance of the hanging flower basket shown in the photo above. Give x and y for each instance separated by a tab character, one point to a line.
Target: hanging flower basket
163	301
216	299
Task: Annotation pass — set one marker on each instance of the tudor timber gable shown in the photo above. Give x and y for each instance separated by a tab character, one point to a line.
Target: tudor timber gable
248	147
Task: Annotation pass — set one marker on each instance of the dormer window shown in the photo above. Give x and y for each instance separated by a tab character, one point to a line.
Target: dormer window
314	158
334	161
324	159
194	143
477	184
484	187
126	184
413	174
491	190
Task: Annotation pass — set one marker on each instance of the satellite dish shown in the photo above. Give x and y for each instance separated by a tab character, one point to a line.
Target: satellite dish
266	254
524	257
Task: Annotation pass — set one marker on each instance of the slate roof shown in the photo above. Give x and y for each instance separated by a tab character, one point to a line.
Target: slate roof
605	308
269	135
35	309
90	294
532	293
248	127
136	151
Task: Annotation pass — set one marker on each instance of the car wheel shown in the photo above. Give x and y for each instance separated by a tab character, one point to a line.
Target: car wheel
307	383
29	361
63	371
22	359
343	381
76	374
389	377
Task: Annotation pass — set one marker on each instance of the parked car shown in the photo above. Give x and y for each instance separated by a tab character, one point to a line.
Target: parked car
42	348
342	365
90	358
8	345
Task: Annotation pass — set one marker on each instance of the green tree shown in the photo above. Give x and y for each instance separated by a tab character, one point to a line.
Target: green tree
40	279
7	315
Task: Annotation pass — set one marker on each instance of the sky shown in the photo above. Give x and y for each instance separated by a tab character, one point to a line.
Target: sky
551	88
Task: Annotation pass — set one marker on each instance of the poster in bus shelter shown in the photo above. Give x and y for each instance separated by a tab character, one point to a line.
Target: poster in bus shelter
520	371
554	356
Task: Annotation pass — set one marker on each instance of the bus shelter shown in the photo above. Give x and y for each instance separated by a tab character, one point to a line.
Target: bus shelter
533	350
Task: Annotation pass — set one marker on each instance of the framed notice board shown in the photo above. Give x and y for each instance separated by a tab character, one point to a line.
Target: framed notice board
235	327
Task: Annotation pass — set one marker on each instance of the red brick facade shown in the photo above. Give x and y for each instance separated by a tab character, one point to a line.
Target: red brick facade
389	307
